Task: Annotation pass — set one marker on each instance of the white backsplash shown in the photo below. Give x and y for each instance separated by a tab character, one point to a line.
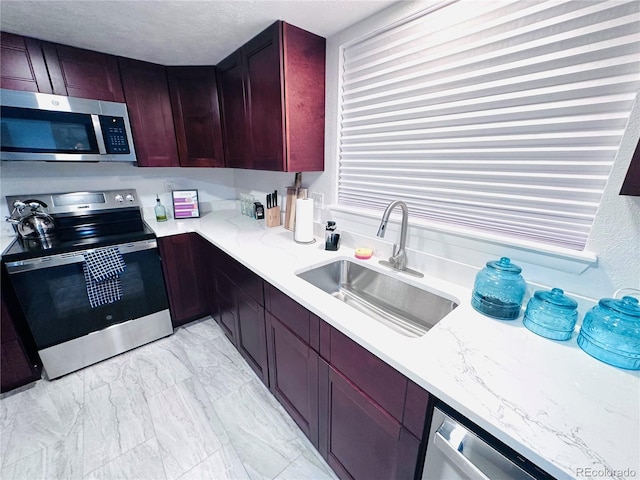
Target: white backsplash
19	178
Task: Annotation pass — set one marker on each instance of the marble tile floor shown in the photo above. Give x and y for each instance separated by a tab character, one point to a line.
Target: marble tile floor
183	407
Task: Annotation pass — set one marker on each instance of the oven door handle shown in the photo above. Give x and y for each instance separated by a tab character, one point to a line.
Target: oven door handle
74	257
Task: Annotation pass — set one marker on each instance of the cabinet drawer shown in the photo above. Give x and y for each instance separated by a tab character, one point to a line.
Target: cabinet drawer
377	379
300	320
242	277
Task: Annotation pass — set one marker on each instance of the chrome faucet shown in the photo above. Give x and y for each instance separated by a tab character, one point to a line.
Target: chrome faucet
398	259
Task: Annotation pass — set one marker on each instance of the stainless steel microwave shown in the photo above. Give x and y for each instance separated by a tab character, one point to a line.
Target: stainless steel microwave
39	126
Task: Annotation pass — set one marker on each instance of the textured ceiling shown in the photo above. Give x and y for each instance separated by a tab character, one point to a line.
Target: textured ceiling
174	32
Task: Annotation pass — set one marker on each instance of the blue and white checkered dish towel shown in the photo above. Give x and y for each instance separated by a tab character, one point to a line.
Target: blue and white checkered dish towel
101	274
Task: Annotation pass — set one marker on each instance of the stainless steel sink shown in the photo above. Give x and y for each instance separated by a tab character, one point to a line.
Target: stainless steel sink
405	308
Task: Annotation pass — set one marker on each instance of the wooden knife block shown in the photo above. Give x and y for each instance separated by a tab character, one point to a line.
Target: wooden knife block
290	214
272	217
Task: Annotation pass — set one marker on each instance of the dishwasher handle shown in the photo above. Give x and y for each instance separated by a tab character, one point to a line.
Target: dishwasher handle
453	447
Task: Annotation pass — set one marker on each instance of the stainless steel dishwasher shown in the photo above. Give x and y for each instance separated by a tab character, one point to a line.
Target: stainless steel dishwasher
457	449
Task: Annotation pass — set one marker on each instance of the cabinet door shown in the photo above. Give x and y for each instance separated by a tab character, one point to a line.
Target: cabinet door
15	365
147	94
22	65
210	256
358	438
294	316
304	67
232	107
227	306
293	372
83	73
376	378
631	184
265	113
194	99
252	341
183	277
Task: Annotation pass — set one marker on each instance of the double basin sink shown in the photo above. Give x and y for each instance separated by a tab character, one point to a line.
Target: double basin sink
387	299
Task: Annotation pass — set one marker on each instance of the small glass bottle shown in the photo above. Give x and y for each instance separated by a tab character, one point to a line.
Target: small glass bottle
161	212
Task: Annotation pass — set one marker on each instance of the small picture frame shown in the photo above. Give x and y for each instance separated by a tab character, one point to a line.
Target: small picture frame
185	204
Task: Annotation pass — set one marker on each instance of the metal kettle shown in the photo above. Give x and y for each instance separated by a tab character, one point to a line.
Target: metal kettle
31	222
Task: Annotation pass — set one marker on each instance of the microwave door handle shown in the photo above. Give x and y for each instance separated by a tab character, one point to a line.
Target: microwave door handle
97	129
453	450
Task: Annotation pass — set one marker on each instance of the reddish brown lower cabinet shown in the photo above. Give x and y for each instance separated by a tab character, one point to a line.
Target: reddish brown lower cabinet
293	372
146	91
227	307
184	277
18	366
251	338
359	439
367	419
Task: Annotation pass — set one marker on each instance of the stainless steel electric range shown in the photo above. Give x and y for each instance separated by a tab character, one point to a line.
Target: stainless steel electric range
93	286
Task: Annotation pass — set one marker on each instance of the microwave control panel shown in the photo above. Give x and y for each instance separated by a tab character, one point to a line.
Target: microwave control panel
115	135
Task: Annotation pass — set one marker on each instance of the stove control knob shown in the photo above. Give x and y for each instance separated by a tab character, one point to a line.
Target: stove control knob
129	198
119	199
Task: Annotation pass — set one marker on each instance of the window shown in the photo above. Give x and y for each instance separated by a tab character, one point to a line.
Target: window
503	117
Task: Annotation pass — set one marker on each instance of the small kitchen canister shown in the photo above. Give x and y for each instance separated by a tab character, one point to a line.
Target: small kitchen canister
499	290
610	332
551	314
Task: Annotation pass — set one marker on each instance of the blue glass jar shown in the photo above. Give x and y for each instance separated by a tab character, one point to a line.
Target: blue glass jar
551	314
610	332
499	290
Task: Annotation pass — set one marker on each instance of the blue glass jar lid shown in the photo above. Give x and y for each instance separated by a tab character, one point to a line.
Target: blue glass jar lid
627	305
557	298
504	265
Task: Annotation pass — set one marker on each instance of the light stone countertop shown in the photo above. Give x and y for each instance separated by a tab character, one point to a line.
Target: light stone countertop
569	413
572	415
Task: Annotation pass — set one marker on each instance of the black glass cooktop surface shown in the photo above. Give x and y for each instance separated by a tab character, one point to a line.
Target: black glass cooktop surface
65	242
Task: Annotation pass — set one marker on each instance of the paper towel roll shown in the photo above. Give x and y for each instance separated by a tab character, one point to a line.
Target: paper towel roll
303	230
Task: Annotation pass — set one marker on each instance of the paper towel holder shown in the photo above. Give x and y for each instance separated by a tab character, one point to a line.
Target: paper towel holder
308	226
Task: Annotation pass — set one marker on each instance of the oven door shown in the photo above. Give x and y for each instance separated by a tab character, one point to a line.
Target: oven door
53	296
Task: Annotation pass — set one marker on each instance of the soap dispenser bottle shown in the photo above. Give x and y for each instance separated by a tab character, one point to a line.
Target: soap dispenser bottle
160	210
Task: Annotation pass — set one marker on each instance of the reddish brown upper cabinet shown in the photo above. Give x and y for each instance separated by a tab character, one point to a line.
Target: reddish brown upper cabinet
272	101
196	114
22	65
184	277
631	185
76	72
146	92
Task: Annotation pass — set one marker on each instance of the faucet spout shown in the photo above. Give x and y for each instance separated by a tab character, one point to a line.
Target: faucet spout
399	258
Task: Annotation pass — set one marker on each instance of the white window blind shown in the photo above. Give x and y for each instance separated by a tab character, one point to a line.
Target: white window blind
498	116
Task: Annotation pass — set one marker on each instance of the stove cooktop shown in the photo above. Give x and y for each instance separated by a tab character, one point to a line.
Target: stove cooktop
83	220
21	249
